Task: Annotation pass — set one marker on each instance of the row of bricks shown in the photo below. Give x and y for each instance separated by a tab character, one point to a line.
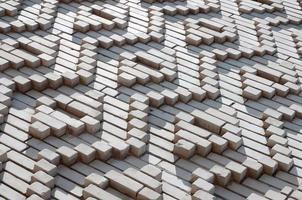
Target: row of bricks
26	81
286	168
272	113
250	6
126	172
182	8
133	144
271	139
196	183
85	77
44	23
270	142
9	8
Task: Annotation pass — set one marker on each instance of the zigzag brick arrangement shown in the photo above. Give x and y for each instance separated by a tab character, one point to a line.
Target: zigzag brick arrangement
152	99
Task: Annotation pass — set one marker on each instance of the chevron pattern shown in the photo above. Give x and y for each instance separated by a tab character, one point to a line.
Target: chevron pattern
150	99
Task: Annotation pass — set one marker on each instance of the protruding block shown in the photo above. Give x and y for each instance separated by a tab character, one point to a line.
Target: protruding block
92	125
22	84
97	180
126	79
234	141
218	144
57	127
146	194
44	178
143	179
38	82
103	150
201	184
68	155
137	147
184	149
39	189
97	192
44	100
222	175
70	79
39	130
120	149
123	183
251	93
284	163
50	156
45	166
85	152
269	165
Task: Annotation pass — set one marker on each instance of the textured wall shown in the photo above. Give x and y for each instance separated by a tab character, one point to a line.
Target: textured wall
197	99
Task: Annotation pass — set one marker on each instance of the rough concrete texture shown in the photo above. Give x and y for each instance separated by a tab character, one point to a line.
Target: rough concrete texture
150	99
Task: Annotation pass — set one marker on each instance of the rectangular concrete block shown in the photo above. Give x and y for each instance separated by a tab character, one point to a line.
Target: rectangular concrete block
123	184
